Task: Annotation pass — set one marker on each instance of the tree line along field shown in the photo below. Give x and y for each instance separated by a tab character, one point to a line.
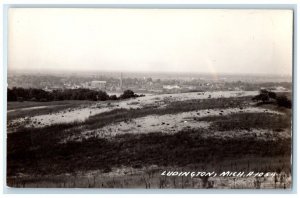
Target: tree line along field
35	156
31	94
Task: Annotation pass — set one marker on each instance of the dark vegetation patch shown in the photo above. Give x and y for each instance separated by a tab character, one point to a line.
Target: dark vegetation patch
31	94
33	154
247	121
212	103
269	97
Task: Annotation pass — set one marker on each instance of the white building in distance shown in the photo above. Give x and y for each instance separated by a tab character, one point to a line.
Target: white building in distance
171	87
96	84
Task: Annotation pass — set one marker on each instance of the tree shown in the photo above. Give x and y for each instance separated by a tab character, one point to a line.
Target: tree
21	94
102	95
127	94
113	97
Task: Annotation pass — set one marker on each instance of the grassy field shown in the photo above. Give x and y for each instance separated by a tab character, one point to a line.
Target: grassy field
37	153
247	121
182	148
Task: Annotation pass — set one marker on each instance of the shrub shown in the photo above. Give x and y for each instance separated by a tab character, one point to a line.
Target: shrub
283	101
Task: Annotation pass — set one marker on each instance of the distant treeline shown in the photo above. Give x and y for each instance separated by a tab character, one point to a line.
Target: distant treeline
31	94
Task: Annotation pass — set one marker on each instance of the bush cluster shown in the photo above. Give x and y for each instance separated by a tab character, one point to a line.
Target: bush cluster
266	96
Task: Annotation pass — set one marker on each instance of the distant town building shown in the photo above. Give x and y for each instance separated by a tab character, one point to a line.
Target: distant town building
280	88
97	84
47	89
171	87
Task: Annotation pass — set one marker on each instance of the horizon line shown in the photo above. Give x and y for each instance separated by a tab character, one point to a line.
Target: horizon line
148	71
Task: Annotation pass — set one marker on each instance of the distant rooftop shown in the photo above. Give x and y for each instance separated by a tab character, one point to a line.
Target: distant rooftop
98	81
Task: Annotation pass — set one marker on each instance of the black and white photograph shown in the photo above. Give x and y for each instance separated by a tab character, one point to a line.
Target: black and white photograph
132	98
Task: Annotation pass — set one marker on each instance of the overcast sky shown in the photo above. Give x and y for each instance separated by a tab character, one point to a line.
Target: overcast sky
193	40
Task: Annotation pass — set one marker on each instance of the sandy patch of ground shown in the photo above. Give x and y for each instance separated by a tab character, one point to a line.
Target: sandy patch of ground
172	123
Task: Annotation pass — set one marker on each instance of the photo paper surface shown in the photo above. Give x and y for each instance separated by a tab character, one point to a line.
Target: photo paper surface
149	98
